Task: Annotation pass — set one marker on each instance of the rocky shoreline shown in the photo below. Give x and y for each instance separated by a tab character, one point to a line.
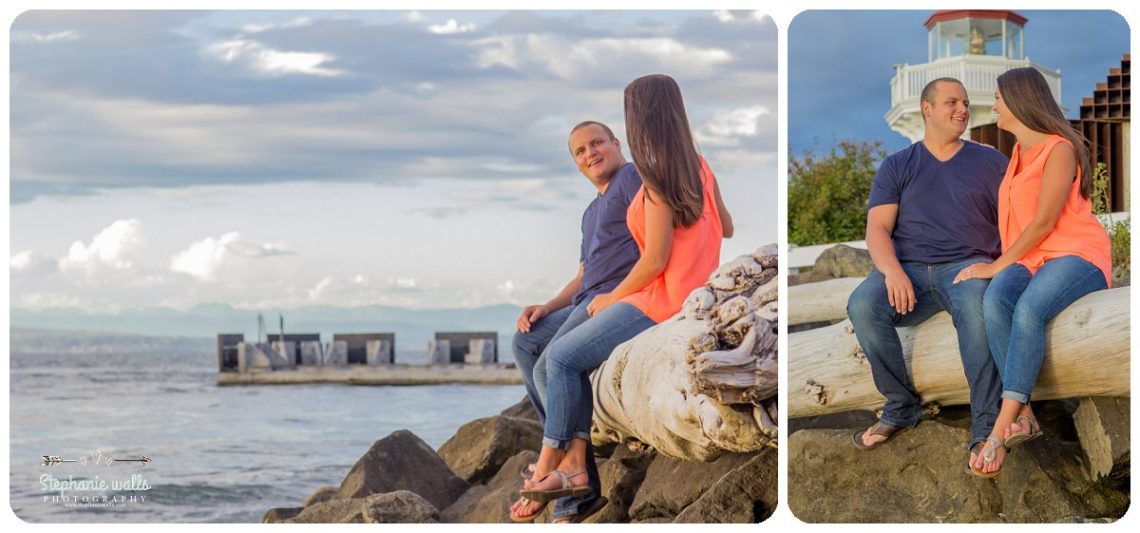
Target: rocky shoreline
474	478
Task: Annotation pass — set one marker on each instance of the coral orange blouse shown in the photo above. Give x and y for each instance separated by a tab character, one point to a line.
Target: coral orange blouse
1077	232
693	256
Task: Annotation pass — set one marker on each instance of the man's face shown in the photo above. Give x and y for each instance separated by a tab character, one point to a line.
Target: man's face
950	111
596	154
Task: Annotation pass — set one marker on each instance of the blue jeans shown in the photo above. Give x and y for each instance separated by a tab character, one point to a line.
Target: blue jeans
528	350
1018	306
569	360
934	289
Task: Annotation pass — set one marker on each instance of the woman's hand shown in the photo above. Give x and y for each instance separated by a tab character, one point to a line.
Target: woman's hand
599	303
976	271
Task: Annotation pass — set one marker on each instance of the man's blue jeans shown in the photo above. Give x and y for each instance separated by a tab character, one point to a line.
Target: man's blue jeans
528	349
1018	305
934	289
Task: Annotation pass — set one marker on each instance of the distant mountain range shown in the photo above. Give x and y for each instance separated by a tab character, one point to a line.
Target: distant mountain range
413	327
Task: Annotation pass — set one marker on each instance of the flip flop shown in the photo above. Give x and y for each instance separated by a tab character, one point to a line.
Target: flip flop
522	519
989	454
878	428
1033	431
566	489
595	506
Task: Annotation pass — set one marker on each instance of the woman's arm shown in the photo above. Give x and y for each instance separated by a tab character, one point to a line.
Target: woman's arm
658	243
725	217
1056	181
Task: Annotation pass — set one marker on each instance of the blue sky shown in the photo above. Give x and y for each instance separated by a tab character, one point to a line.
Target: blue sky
262	158
840	66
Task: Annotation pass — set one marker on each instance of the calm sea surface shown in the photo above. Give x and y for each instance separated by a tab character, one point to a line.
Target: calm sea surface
218	454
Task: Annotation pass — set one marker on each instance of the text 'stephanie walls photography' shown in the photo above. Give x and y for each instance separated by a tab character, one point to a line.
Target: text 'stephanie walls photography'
357	266
959	233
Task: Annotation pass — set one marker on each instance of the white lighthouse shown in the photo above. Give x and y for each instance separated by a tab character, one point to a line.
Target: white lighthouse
973	46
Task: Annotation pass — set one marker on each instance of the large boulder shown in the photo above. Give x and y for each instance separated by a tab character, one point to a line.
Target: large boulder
671	485
280	514
922	473
491	503
342	511
478	450
621	476
402	461
399	507
745	495
322	494
523	409
839	261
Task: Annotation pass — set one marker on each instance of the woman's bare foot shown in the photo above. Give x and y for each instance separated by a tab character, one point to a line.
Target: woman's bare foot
989	457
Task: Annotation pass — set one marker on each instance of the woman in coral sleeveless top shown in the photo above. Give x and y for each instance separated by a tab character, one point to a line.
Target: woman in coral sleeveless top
678	220
1054	250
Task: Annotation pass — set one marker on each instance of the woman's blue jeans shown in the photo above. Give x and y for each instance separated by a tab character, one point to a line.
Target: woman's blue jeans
1017	307
569	360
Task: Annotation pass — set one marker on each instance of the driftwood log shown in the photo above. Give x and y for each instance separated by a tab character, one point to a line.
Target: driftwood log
703	382
1087	351
820	301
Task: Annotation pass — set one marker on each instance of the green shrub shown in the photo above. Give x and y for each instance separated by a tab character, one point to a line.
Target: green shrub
1119	231
827	195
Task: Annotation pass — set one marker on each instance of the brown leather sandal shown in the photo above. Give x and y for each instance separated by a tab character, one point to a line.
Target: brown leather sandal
566	488
878	428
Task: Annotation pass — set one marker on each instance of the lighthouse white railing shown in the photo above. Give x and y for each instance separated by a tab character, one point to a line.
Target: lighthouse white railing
977	72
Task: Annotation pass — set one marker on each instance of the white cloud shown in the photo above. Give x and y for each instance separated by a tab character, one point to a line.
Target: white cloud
725	128
729	17
572	58
414	16
113	247
204	258
30	262
724	15
274	62
47	38
254	27
451	26
405	283
319	289
53	300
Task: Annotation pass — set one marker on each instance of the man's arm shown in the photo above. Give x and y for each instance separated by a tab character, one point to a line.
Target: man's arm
531	313
880	223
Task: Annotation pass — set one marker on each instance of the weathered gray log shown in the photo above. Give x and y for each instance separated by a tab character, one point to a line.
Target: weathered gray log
820	301
1103	428
703	382
1087	350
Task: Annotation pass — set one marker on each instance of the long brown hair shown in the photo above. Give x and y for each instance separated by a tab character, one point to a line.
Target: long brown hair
1028	97
662	146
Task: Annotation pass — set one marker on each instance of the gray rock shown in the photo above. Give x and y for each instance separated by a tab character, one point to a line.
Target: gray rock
671	485
621	476
399	507
278	515
322	494
401	461
922	473
745	495
491	503
477	451
839	261
523	409
347	511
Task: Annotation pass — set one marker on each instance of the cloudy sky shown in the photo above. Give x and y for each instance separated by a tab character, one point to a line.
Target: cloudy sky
840	66
348	158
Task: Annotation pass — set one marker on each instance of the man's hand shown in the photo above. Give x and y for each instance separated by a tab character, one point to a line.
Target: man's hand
976	271
900	292
599	303
530	314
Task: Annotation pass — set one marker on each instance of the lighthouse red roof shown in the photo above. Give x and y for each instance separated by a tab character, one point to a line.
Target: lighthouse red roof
955	14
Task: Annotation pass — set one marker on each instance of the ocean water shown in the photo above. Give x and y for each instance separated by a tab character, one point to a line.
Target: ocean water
218	454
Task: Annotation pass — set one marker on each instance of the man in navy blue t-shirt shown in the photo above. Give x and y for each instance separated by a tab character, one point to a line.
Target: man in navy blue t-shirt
932	212
607	254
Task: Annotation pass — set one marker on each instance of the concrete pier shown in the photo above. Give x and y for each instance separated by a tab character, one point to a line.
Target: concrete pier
390	374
